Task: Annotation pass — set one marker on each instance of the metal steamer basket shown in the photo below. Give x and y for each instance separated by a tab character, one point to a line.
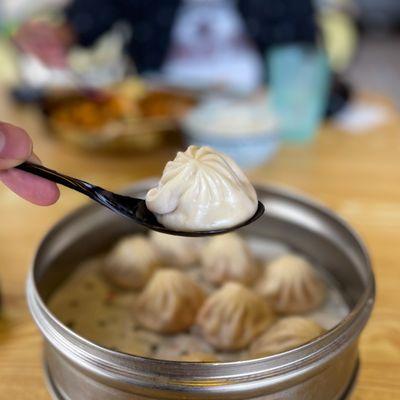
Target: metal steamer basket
324	369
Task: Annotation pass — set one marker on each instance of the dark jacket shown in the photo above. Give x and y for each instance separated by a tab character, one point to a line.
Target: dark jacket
268	22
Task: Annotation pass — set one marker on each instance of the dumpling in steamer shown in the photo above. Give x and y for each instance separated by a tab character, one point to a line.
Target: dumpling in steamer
177	250
202	189
233	316
286	334
228	258
292	285
131	263
169	303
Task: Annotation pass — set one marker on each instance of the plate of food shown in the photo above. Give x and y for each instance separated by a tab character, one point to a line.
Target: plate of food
128	115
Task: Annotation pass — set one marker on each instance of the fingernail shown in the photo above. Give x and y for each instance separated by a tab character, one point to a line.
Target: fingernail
2	141
15	144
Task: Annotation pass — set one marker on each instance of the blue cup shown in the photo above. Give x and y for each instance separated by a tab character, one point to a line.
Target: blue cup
299	78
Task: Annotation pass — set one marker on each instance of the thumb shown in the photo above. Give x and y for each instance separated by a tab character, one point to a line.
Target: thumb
15	146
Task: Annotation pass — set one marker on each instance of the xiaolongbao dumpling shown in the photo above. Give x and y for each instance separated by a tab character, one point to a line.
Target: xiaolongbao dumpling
228	258
177	250
292	285
200	190
286	334
131	262
169	303
233	316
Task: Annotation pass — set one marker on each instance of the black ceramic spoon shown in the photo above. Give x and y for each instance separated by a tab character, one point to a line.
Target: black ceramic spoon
124	205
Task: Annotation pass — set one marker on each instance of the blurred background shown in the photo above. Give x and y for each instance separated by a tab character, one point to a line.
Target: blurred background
300	93
242	76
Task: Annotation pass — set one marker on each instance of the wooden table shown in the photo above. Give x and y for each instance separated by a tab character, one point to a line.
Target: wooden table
357	176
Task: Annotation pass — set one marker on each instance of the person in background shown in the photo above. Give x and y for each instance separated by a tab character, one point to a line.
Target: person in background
203	41
15	148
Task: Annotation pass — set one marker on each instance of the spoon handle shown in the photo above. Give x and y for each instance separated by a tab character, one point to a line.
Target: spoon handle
54	176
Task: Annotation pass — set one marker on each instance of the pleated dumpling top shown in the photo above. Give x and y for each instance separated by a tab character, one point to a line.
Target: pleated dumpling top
169	303
286	334
292	285
200	190
233	316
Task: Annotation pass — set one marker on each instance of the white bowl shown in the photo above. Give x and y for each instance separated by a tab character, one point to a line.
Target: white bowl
245	129
247	151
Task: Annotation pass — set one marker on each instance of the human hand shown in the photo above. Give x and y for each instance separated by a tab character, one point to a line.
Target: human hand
44	41
15	148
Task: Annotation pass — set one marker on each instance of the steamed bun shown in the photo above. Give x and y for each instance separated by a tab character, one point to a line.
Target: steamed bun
233	316
169	303
177	250
131	262
228	258
286	334
292	285
202	189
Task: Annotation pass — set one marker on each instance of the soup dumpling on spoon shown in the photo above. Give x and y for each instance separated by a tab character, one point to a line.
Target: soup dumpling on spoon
202	190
